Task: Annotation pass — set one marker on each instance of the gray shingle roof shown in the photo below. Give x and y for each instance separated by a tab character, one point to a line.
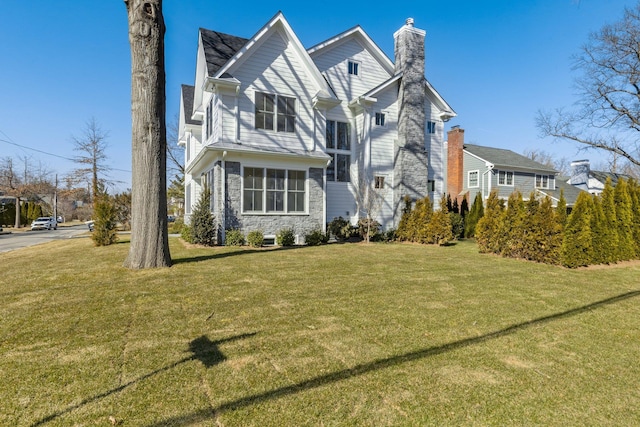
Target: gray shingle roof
602	176
187	99
501	157
219	48
570	192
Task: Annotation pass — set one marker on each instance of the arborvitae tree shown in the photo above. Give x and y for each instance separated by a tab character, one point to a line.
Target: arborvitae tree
529	238
552	228
24	209
624	221
105	219
448	202
203	227
464	207
512	227
634	193
476	212
455	208
561	210
439	227
577	248
600	234
610	226
402	233
419	221
486	231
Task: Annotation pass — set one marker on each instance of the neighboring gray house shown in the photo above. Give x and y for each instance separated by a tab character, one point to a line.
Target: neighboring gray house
473	169
278	132
585	179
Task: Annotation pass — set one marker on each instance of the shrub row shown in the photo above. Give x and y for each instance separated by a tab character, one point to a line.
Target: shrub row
600	229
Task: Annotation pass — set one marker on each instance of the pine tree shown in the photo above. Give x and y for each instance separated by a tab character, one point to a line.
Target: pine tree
476	212
486	231
203	227
577	249
624	221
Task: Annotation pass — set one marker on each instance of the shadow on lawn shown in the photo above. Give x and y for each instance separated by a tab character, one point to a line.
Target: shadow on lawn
201	348
234	253
322	380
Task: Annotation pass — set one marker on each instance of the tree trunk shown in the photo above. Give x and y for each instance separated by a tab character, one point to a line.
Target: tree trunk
149	239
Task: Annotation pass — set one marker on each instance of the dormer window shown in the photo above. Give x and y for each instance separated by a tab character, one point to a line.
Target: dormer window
354	68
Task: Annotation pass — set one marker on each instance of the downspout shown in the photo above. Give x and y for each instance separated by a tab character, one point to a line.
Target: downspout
490	167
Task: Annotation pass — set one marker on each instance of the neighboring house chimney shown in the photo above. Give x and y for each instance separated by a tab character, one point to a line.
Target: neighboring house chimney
411	166
580	170
455	164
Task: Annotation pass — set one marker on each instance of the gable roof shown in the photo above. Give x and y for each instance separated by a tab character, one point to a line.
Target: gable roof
602	176
501	157
219	48
359	34
570	192
187	104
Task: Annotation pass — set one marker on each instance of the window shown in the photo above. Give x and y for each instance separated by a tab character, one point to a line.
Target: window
274	190
431	127
378	182
354	68
380	119
338	139
209	121
275	112
505	178
473	179
542	181
253	189
431	185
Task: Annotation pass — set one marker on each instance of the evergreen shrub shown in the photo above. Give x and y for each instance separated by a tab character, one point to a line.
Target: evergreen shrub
286	237
234	237
315	238
255	238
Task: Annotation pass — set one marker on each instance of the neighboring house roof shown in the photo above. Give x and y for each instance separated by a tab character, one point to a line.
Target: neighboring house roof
503	158
569	191
602	176
187	101
219	48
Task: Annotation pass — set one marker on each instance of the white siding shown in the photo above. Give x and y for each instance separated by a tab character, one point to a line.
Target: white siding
276	69
333	64
340	201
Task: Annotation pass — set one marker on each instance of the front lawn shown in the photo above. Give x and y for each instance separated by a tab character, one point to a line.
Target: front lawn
343	334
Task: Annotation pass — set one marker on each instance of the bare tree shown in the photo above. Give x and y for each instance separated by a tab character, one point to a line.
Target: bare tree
370	193
608	117
149	239
561	165
92	145
175	168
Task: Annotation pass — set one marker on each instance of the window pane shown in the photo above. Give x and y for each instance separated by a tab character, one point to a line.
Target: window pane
509	178
344	139
331	169
295	202
296	180
264	111
275	179
331	134
343	164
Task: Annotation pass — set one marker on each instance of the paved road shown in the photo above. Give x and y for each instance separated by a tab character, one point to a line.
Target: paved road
9	242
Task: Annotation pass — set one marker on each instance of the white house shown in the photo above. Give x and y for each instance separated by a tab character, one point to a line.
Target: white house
278	132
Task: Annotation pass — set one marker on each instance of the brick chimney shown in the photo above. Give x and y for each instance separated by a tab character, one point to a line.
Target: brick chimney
455	145
411	165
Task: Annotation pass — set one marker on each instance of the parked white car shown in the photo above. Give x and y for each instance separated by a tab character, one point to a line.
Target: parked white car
44	223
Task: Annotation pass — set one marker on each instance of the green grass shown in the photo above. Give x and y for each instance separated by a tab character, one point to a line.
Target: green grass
344	334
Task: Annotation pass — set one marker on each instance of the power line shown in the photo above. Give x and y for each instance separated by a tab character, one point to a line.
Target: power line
47	153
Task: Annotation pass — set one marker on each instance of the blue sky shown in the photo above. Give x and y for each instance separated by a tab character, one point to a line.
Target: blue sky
495	62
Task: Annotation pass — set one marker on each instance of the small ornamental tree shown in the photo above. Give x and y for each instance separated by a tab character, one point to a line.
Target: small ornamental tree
105	218
577	246
489	225
203	227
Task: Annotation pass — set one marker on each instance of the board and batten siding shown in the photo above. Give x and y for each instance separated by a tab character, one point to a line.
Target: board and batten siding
275	69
